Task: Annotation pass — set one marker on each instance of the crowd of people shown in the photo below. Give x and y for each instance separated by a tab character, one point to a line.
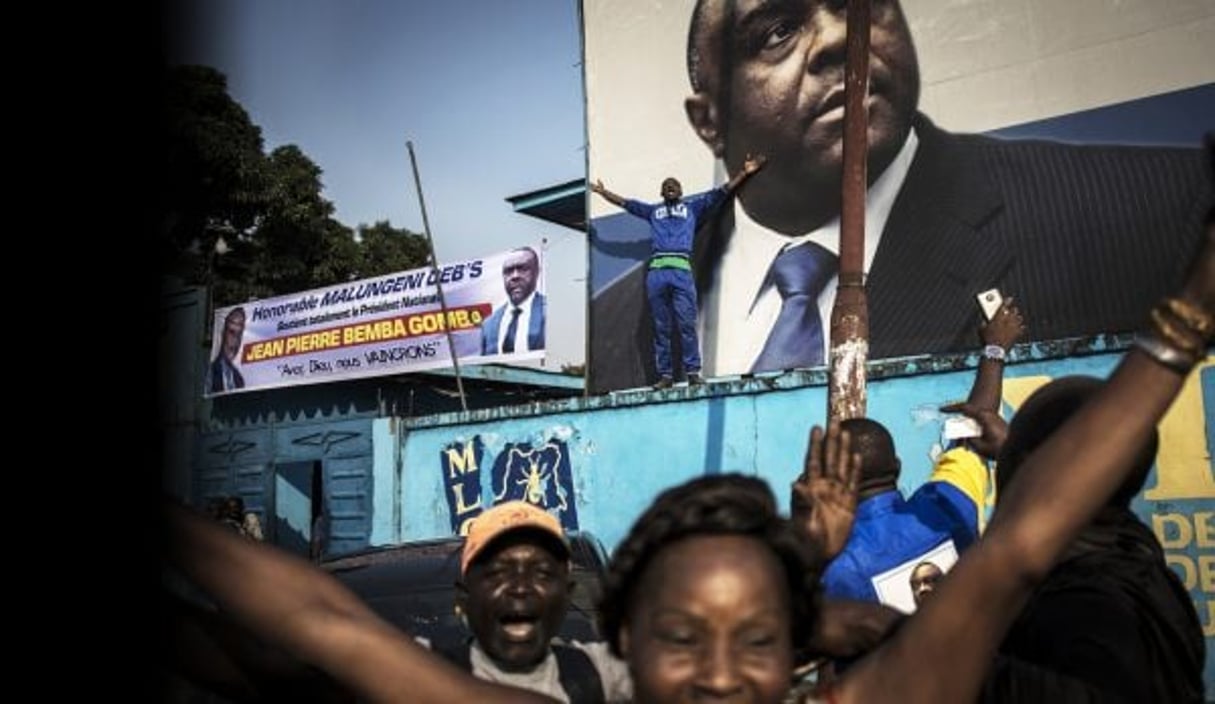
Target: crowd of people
715	595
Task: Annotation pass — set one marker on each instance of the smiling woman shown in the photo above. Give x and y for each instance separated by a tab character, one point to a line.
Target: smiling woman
709	594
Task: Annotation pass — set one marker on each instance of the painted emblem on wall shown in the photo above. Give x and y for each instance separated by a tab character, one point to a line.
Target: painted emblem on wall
539	475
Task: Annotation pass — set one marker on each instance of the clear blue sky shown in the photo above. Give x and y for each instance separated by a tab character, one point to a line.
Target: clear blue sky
488	91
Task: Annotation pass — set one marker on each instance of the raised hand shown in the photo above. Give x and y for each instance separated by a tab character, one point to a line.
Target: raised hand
993	425
1006	326
612	198
751	164
823	498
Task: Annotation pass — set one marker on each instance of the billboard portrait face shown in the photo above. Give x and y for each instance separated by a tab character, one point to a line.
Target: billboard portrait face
768	78
234	331
519	274
1085	225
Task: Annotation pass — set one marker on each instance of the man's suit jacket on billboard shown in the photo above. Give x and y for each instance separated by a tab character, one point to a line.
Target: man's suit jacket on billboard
215	377
1085	238
535	329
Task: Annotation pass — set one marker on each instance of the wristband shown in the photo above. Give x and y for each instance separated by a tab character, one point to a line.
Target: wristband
994	352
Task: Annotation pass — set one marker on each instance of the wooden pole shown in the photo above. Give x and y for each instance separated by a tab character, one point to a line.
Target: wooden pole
434	266
849	347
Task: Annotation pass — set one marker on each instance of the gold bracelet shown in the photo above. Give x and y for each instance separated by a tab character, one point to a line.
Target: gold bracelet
1165	329
1194	317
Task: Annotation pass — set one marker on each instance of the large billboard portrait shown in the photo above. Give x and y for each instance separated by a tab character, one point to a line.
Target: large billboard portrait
390	324
1050	150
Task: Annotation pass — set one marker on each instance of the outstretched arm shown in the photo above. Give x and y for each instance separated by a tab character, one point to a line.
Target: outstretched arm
943	651
607	195
209	649
1002	331
750	166
847	628
304	610
998	335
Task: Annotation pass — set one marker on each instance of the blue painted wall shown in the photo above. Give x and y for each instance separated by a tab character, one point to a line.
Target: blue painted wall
626	448
269	466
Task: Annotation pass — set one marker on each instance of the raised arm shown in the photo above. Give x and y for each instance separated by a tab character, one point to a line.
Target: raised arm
607	195
209	649
942	653
983	404
312	616
750	166
999	335
822	501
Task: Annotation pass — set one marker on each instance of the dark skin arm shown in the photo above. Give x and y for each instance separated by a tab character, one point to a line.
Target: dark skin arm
209	649
823	498
750	166
1003	330
993	427
199	654
848	628
607	195
313	617
942	653
983	404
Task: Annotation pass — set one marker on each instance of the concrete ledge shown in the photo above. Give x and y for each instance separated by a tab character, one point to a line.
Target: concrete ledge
778	381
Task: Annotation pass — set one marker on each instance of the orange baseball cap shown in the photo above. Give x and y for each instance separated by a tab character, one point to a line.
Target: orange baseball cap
504	518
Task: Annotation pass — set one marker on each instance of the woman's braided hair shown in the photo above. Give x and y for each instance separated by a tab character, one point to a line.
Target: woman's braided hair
724	504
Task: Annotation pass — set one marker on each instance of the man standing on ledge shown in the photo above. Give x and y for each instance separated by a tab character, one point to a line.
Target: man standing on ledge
670	287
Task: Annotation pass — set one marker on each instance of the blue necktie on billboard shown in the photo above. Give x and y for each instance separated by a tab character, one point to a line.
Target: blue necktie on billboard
799	274
508	344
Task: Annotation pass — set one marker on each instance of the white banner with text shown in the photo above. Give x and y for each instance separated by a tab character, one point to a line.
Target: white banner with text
388	324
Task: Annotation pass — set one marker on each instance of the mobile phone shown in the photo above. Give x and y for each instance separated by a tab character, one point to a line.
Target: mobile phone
961	427
990	301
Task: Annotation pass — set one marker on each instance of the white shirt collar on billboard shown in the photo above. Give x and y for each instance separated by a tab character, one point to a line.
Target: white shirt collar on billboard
743	310
521	328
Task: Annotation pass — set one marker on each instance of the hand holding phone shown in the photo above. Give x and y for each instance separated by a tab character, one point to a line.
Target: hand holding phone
990	301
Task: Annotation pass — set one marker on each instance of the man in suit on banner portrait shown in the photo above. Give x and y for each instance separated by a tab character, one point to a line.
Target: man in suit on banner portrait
524	310
223	373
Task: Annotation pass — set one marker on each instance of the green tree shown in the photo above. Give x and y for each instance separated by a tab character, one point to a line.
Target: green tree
252	225
384	249
303	246
214	170
296	243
